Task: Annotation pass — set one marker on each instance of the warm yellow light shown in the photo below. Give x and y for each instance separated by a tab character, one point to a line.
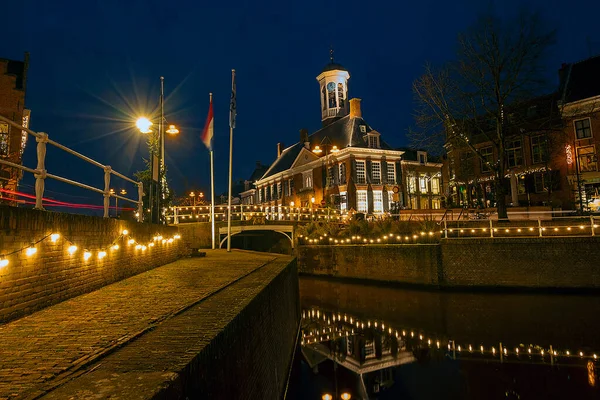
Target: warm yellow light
54	237
334	149
177	237
170	241
159	237
144	248
72	249
317	150
151	244
115	247
327	396
164	241
125	231
3	262
101	254
291	204
346	396
312	199
86	255
143	124
31	251
131	241
172	130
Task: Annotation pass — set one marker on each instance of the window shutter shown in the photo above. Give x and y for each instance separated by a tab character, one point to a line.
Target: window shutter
370	197
386	201
368	173
398	173
353	172
384	170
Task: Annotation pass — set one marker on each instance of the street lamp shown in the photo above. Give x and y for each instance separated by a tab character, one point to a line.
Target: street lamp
346	396
327	396
144	124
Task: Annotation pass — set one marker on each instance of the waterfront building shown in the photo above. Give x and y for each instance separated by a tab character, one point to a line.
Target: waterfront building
422	184
13	84
345	165
249	195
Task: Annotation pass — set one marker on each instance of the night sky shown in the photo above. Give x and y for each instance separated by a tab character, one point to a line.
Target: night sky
95	67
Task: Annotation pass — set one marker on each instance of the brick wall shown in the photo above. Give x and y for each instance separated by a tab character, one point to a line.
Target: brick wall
51	275
416	264
554	262
198	234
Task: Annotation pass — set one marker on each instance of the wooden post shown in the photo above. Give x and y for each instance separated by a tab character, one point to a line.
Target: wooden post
107	171
40	174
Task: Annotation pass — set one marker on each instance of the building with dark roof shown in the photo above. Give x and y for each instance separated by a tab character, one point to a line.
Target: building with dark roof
580	106
422	185
345	165
248	195
13	83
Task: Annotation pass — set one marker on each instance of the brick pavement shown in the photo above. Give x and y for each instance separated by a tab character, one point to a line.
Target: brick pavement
50	347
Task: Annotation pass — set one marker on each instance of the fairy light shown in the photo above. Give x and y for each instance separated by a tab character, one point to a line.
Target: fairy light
101	254
130	241
138	246
72	249
54	237
125	232
86	255
31	250
177	237
115	247
3	262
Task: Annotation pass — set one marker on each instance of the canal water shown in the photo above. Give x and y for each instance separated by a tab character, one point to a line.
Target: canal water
375	342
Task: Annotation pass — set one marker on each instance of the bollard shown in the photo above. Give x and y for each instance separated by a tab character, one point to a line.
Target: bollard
491	229
540	226
445	230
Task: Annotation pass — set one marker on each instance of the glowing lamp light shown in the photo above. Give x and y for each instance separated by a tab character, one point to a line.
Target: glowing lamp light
3	262
54	237
143	124
159	237
170	240
125	232
101	254
138	246
346	396
86	255
31	251
151	244
177	237
172	130
144	248
72	249
115	247
131	241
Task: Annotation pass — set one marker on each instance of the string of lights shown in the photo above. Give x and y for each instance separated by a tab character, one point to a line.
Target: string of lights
101	251
354	325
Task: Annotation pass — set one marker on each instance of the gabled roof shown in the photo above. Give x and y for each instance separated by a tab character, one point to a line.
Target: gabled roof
580	80
258	172
343	133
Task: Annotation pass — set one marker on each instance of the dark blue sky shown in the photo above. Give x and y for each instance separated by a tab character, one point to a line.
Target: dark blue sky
95	66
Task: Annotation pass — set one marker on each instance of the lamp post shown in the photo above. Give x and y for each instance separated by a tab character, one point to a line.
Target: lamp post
144	125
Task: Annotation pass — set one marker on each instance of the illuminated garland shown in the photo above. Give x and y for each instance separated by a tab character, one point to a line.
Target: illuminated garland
87	254
329	333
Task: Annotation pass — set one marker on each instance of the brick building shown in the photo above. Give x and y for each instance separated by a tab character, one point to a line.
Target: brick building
580	107
13	83
344	165
422	184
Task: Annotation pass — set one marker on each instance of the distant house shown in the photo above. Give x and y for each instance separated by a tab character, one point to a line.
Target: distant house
249	195
344	165
13	84
422	184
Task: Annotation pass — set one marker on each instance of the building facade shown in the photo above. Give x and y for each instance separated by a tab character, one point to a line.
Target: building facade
422	185
345	165
13	82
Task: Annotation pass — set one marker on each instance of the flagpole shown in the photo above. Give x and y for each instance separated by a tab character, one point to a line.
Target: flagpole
231	124
212	192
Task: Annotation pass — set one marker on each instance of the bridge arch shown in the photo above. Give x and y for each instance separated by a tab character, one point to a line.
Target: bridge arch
285	230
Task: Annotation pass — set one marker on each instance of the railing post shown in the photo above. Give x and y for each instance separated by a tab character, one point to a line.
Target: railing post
445	230
540	226
40	174
140	202
107	171
241	212
491	229
176	216
592	225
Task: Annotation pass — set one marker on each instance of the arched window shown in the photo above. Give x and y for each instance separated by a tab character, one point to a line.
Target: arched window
341	99
331	94
324	98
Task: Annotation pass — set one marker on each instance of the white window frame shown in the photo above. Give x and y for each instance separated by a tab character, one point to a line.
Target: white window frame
435	185
373	141
377	201
362	201
589	128
423	184
422	154
376	172
391	172
307	179
343	201
390	200
361	173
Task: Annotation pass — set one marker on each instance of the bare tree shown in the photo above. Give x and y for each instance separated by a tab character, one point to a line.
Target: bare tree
462	104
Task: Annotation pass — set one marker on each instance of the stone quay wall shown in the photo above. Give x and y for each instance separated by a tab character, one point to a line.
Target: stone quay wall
52	274
531	263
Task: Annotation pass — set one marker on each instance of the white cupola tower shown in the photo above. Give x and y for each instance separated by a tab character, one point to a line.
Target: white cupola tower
333	85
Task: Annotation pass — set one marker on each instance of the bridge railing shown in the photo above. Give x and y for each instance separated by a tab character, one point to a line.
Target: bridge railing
41	173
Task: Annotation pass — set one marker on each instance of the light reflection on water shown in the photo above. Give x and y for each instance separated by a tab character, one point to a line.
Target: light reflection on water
384	342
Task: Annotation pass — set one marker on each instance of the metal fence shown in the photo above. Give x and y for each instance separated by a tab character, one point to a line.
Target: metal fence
41	173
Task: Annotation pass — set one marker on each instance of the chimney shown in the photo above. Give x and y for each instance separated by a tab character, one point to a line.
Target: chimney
304	137
279	149
355	108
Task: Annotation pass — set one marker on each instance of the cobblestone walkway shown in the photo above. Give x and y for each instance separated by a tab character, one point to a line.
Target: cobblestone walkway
39	351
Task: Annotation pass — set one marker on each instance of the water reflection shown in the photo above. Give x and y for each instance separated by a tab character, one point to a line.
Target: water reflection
382	342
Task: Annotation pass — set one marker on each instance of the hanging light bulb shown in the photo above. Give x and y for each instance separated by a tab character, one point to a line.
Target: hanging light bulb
101	254
72	249
31	250
131	241
125	231
86	255
115	247
3	261
54	237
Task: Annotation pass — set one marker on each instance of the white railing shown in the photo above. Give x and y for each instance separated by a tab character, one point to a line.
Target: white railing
40	172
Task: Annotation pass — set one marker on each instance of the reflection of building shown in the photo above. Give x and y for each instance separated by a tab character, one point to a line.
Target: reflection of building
13	80
344	165
580	97
422	184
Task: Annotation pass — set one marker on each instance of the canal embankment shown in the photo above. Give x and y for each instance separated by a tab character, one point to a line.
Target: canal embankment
221	326
569	263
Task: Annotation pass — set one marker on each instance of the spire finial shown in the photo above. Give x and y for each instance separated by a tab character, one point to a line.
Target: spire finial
331	53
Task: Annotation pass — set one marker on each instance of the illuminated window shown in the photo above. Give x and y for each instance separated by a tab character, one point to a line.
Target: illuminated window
340	88
331	94
377	201
361	176
390	201
369	349
4	139
307	178
588	159
435	204
342	174
373	141
391	172
435	185
376	172
538	149
361	201
343	201
330	176
583	130
514	153
487	158
423	184
412	184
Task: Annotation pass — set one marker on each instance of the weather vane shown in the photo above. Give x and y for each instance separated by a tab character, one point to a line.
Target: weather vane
331	53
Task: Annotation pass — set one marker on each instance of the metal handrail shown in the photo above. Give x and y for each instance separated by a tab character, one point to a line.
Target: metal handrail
41	173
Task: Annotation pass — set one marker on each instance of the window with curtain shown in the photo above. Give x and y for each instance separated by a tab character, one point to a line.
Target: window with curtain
362	204
377	201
